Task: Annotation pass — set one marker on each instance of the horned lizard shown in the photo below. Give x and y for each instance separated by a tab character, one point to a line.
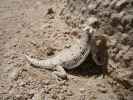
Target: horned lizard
69	58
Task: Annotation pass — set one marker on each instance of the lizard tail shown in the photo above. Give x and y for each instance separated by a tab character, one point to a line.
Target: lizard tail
39	63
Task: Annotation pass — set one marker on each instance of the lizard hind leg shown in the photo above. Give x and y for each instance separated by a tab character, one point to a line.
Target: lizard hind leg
59	73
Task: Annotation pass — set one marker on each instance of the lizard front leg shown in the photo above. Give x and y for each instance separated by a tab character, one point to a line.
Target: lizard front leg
99	50
59	73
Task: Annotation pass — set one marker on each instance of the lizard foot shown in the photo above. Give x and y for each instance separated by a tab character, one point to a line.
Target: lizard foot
60	73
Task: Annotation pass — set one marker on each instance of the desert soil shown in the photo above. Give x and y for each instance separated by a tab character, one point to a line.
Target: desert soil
38	28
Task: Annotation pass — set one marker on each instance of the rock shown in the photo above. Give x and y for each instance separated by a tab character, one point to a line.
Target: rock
62	97
83	10
50	11
50	87
39	96
125	39
128	55
106	3
82	90
19	97
121	53
92	6
127	19
130	96
54	96
46	82
112	4
93	21
102	88
64	89
116	18
68	45
22	84
61	83
105	13
72	8
120	28
69	93
31	93
121	4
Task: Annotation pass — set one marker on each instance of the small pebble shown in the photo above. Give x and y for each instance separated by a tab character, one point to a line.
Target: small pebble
69	93
50	11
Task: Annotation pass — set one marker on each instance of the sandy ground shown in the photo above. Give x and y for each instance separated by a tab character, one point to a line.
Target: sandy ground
30	27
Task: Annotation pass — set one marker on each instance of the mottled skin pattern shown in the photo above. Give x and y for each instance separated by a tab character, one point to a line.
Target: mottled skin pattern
69	58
